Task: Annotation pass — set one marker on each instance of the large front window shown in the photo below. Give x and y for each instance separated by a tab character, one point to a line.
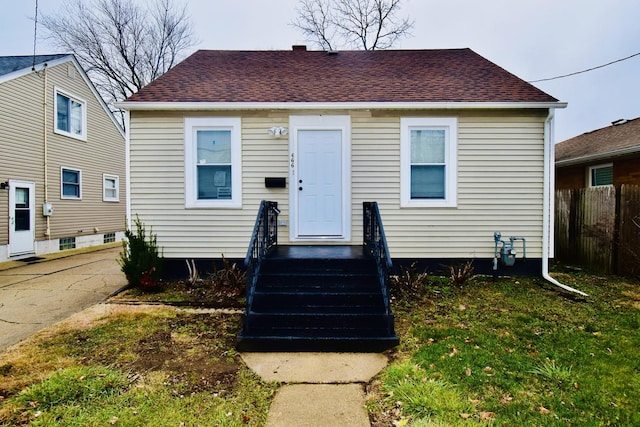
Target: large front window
70	115
429	166
212	162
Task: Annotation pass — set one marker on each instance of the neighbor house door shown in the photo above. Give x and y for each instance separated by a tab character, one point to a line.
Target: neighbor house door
319	183
21	217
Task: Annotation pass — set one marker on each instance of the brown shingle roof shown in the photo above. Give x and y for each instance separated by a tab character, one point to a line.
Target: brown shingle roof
452	75
601	142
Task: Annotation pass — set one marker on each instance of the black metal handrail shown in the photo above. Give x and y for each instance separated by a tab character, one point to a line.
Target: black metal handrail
264	237
375	241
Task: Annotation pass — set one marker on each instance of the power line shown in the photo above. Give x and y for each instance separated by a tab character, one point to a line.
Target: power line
584	71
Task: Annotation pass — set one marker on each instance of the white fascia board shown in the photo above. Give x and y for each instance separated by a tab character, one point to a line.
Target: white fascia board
38	67
165	106
599	156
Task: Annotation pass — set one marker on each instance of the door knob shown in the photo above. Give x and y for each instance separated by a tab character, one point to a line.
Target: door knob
300	188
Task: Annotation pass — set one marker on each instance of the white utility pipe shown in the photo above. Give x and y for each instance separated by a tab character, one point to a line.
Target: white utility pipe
548	203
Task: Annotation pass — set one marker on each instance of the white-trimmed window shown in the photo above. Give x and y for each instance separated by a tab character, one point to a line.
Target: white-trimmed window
70	115
70	183
428	157
212	162
601	175
110	185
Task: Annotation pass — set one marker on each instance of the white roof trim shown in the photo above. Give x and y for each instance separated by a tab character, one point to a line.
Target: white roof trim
141	105
38	67
599	156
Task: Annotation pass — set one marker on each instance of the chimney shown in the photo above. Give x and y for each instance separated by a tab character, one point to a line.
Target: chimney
299	47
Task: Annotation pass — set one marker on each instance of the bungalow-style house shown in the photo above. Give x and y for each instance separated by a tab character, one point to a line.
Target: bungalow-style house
62	168
451	147
607	156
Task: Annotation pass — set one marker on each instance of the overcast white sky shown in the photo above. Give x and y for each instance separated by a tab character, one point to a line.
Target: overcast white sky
533	39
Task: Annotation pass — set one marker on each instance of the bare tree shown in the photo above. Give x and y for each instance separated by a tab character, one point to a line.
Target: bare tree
122	44
361	24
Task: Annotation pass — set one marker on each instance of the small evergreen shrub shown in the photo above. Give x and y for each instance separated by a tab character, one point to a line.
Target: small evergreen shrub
141	259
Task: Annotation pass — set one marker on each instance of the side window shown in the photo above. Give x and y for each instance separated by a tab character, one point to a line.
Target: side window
601	175
428	152
110	186
70	115
70	183
212	162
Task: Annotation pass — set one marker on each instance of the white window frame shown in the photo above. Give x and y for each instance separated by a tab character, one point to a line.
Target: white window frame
116	179
450	125
191	126
79	172
83	134
590	174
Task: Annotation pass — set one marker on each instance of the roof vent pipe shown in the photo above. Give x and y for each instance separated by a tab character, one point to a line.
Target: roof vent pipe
619	122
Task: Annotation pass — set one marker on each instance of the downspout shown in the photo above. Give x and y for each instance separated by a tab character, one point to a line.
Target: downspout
47	231
548	202
127	161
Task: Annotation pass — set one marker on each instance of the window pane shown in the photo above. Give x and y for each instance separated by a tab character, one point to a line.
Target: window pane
22	220
71	190
110	190
427	145
22	197
62	112
70	177
76	118
70	183
214	146
427	182
602	176
214	182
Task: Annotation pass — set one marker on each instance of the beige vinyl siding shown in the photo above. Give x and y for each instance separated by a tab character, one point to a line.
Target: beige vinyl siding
500	184
22	135
102	152
500	188
157	186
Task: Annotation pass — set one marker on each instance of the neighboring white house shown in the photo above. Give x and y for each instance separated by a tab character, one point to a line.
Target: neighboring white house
62	162
451	146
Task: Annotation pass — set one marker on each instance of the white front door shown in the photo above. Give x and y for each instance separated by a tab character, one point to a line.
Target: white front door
320	177
21	217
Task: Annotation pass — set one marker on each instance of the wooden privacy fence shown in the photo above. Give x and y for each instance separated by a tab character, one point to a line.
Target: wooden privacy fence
599	228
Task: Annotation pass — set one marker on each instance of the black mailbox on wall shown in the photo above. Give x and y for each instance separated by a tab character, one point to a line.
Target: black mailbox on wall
275	182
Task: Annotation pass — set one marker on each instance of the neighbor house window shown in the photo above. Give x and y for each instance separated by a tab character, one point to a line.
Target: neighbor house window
71	184
601	175
428	152
110	188
70	115
212	162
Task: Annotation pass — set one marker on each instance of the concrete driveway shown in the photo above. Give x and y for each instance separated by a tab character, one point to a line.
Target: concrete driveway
36	295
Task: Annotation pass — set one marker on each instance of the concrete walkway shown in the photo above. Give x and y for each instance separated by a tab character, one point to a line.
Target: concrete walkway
321	389
36	295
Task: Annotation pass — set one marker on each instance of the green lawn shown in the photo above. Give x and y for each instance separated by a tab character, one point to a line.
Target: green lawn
515	352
